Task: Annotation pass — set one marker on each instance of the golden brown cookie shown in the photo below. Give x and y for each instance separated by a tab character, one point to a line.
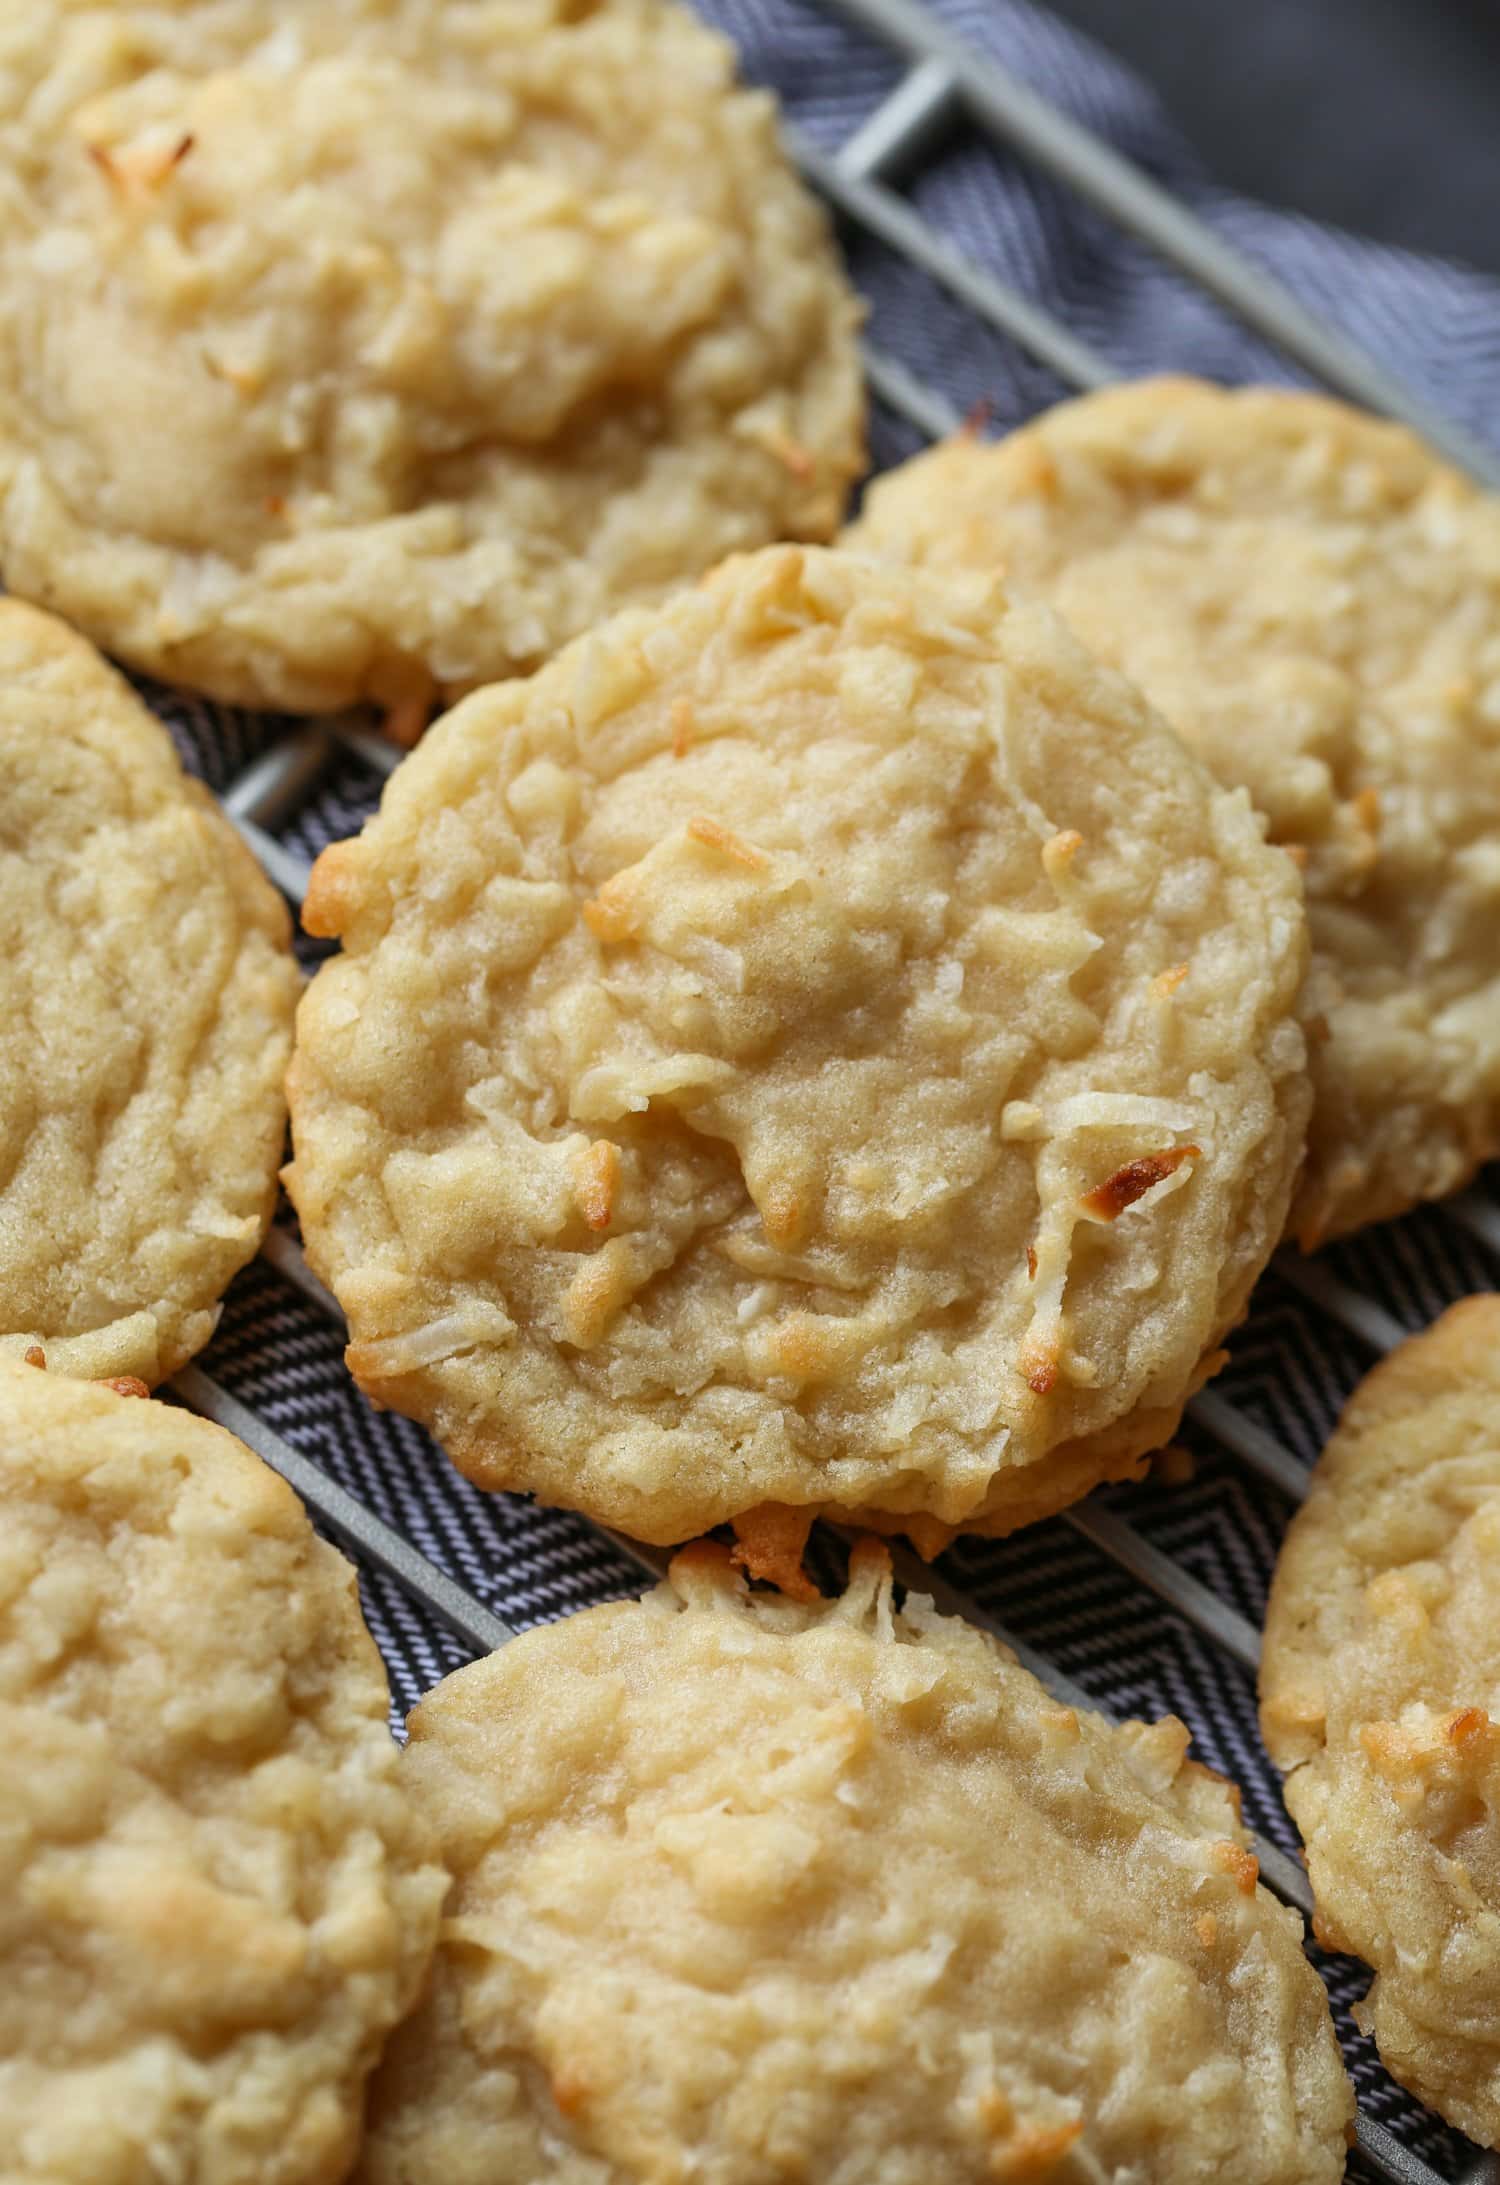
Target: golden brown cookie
821	1043
1380	1695
215	1898
749	1890
364	346
1313	599
146	993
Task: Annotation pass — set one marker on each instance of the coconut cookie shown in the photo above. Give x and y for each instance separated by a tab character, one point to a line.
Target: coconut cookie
1380	1694
146	993
1313	600
820	1043
365	345
215	1897
754	1893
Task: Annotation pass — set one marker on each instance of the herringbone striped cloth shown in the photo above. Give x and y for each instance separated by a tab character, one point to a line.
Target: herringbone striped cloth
1434	325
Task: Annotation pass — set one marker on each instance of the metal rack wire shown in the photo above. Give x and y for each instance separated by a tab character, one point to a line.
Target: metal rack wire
942	82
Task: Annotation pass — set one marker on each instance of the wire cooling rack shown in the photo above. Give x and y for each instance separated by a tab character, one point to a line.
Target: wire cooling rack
1325	1303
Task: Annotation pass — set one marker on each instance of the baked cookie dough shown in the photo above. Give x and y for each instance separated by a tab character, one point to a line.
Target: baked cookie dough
362	345
146	994
1313	599
1380	1695
215	1897
750	1890
820	1043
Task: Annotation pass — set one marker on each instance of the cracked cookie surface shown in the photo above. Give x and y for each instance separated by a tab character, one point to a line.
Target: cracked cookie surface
1313	600
754	1895
1380	1695
820	1043
215	1897
365	345
146	992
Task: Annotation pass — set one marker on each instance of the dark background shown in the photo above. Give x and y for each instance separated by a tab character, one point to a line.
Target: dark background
1380	115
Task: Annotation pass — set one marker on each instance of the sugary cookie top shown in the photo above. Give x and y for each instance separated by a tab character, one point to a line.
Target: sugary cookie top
821	1043
1313	600
745	1889
214	1895
363	343
146	994
1380	1692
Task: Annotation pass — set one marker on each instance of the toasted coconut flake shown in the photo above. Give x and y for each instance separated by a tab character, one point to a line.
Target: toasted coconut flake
1390	1751
1040	1361
798	460
1033	2155
596	1179
995	2111
782	1214
1109	1200
1242	1866
569	2093
1037	474
713	836
405	719
770	1542
681	717
103	160
1058	853
139	174
613	914
1031	1263
804	1346
603	1285
1463	1728
245	379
